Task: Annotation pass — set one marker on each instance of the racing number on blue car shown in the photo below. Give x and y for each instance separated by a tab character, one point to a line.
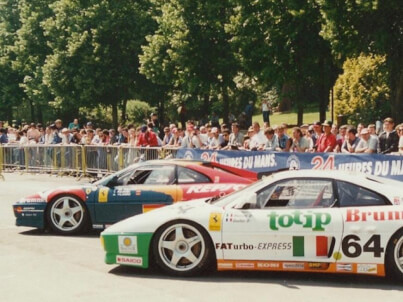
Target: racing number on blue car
352	248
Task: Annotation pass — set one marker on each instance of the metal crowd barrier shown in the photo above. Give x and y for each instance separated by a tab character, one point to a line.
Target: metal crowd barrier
76	159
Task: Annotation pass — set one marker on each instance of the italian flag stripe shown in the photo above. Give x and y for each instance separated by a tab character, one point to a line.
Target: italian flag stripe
298	246
321	246
309	246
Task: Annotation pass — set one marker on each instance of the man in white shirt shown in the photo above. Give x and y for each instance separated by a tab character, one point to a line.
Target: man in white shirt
258	140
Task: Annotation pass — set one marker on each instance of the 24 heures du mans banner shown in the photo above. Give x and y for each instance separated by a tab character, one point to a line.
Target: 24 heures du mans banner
390	166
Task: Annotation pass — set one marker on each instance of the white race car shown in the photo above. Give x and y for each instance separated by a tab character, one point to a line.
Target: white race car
310	221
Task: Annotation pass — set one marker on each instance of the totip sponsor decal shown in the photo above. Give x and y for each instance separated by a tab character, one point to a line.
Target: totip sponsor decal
127	244
315	221
215	222
128	260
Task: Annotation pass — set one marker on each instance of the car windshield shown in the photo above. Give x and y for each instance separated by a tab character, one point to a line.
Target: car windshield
108	178
231	200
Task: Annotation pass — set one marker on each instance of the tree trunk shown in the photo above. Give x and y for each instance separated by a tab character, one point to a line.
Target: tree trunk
123	116
115	115
396	86
32	111
286	92
323	92
206	104
226	104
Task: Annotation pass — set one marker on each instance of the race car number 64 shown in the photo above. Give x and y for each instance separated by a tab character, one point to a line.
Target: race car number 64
351	246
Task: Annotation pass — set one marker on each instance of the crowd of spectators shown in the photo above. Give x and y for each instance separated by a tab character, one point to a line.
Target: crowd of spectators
317	137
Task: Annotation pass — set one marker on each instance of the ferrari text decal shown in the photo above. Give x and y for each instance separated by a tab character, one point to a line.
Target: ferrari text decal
354	215
315	221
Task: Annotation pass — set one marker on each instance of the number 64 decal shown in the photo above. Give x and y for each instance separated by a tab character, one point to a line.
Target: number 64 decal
351	246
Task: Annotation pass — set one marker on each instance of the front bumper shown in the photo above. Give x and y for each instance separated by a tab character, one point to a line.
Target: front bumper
31	215
127	248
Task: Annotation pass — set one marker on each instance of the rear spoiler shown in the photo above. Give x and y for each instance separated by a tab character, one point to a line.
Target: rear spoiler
239	172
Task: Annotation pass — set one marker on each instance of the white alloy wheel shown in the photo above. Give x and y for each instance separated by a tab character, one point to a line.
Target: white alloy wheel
67	215
398	254
394	257
182	249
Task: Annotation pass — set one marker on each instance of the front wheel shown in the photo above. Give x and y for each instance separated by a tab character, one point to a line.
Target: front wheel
182	249
67	215
394	257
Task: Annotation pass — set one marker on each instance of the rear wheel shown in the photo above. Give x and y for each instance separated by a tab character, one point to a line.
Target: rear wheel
182	248
394	257
67	215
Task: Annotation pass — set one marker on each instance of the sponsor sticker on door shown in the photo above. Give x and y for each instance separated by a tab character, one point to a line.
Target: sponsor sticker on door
136	261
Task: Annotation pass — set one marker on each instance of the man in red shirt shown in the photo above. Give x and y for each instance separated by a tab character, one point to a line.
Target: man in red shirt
147	137
327	141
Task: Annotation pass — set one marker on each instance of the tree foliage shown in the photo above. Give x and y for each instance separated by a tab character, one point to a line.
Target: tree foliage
362	92
370	27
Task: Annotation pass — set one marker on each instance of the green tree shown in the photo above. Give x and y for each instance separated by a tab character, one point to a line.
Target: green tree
95	47
362	91
11	94
191	50
31	50
369	27
279	43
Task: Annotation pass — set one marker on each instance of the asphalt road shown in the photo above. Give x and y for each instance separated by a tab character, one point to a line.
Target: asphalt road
39	266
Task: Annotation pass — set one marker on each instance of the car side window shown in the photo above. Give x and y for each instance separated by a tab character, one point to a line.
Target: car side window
153	176
188	176
297	193
353	195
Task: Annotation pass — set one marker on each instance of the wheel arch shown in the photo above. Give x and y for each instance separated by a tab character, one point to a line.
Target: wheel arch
181	220
389	249
58	195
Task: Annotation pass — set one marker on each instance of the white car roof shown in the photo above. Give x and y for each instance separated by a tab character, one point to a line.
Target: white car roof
380	184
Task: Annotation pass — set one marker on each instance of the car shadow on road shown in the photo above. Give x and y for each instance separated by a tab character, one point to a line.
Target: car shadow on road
41	232
287	279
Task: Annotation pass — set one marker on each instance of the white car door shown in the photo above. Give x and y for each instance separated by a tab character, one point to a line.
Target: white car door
293	220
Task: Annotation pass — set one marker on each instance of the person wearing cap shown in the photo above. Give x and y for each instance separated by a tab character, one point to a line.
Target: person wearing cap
215	140
367	144
388	139
65	136
58	124
147	137
351	142
327	141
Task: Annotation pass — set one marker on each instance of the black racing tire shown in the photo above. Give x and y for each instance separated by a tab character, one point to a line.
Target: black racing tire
67	215
394	257
183	248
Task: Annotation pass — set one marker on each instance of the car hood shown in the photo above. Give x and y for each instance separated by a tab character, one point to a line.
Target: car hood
82	191
196	210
